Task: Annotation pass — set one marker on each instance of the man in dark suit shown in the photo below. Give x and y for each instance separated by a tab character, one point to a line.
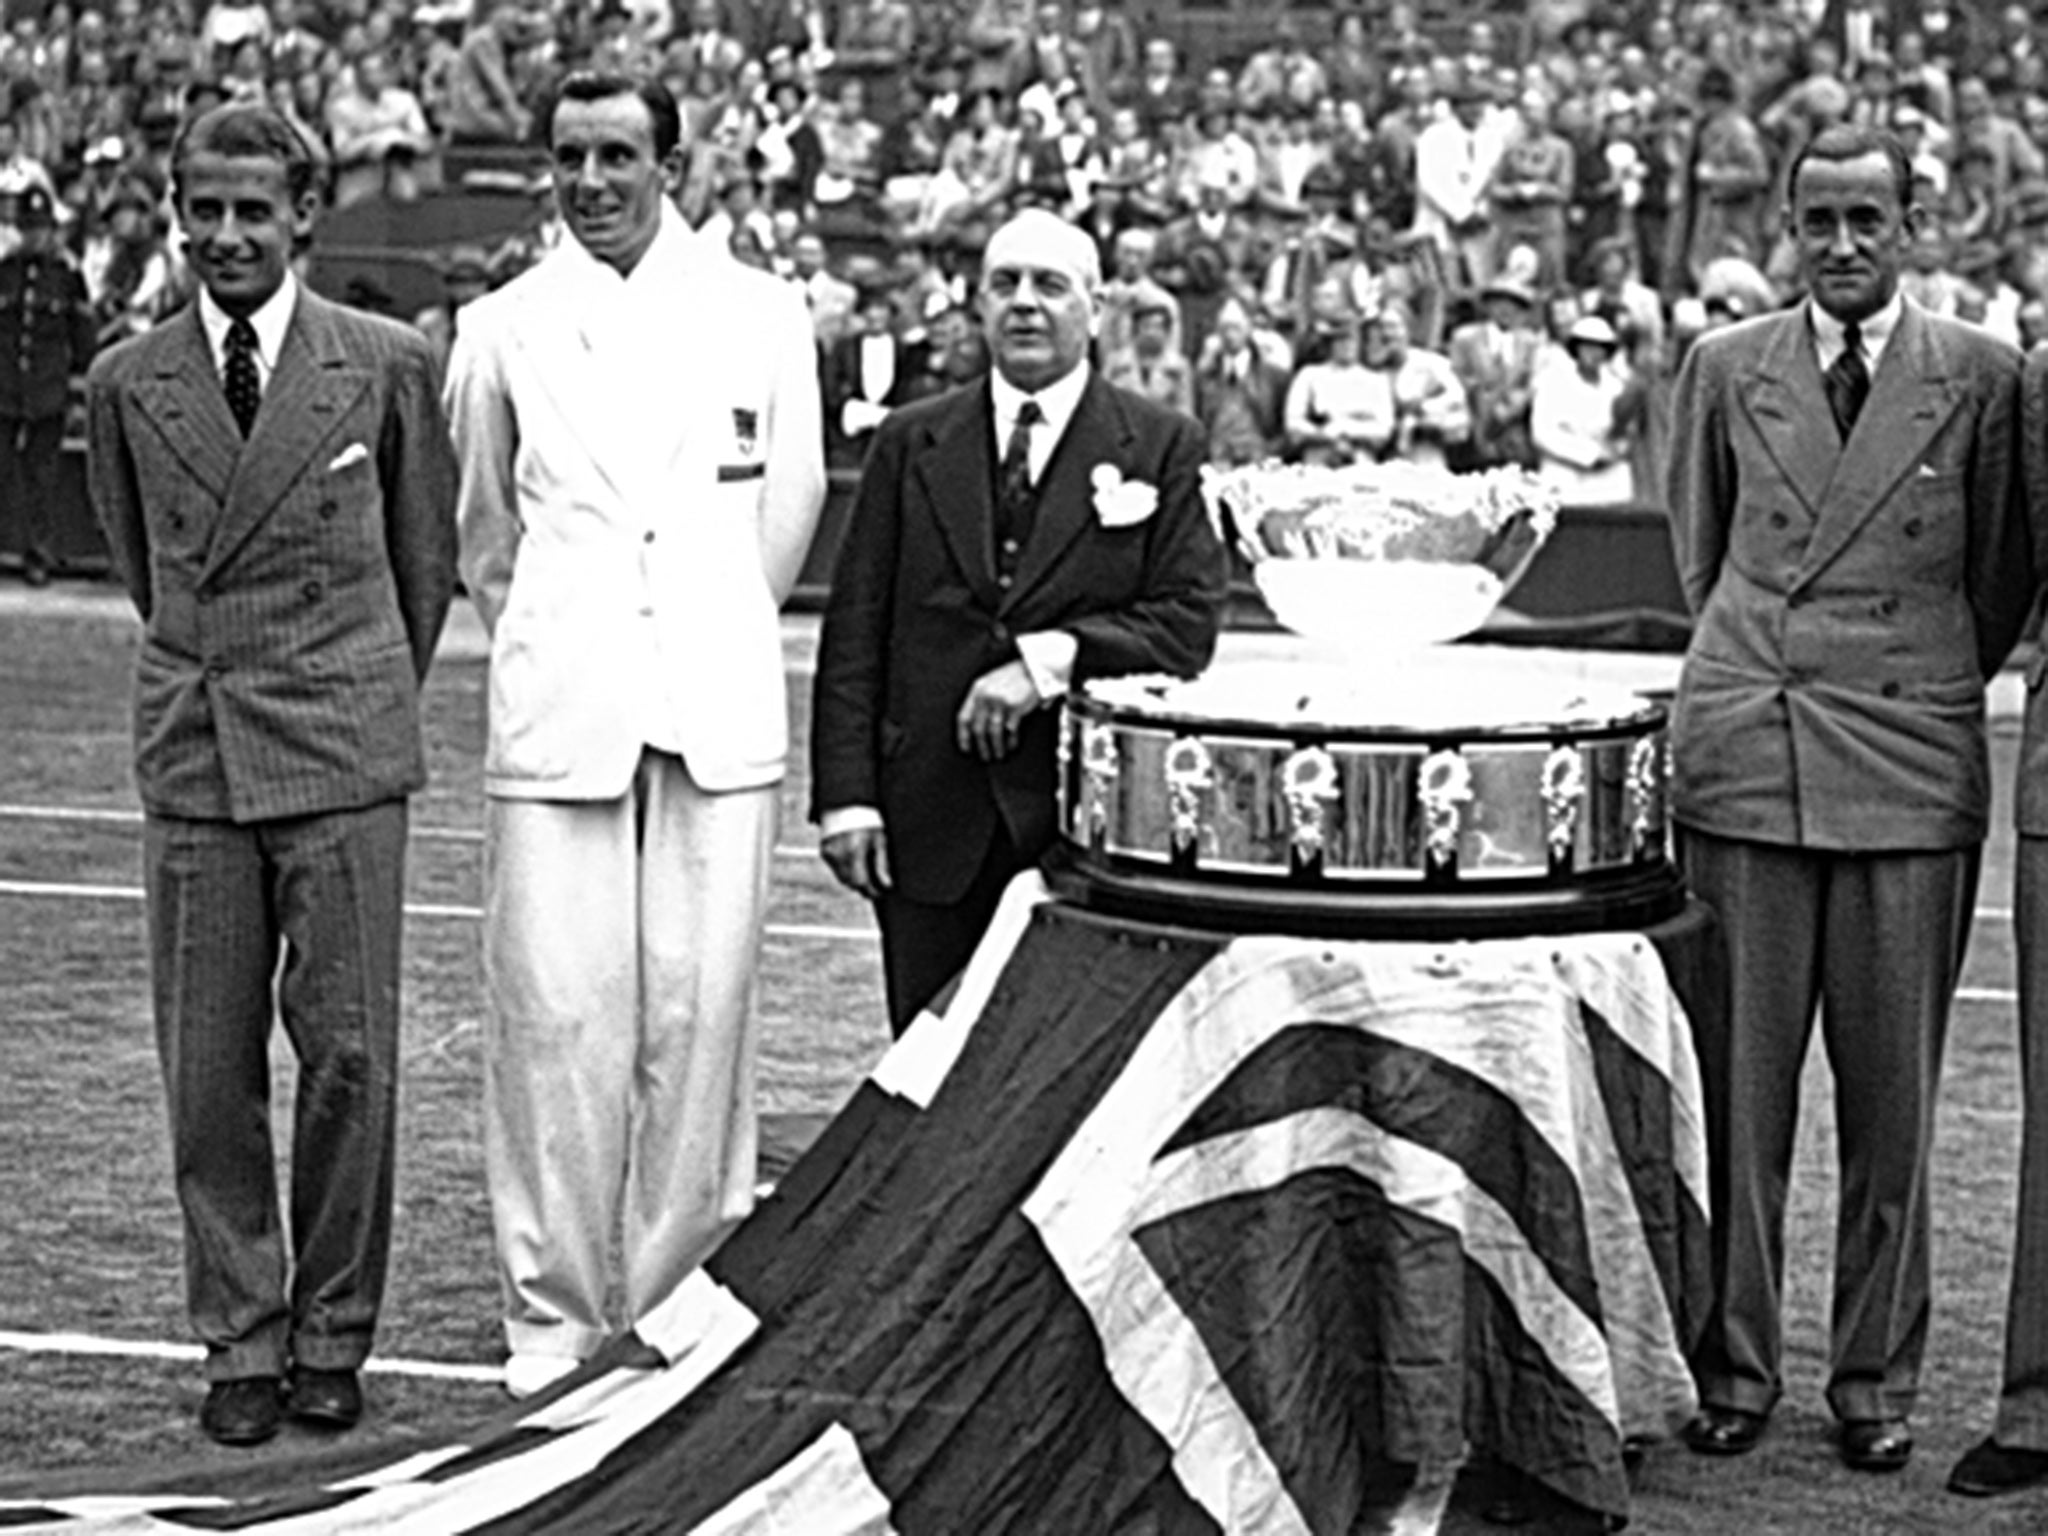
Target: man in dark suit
1010	540
866	374
1852	537
277	487
2014	1455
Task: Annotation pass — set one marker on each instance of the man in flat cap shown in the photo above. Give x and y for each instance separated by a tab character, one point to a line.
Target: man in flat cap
1009	541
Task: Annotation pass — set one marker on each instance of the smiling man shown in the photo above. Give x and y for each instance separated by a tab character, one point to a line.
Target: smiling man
642	469
275	480
1009	540
1852	540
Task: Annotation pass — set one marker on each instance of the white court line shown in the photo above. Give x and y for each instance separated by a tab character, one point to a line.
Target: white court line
823	933
110	817
149	1349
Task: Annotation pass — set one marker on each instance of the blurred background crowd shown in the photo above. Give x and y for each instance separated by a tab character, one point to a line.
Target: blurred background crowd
1458	234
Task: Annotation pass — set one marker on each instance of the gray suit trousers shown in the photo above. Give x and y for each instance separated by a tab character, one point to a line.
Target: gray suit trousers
1875	942
297	918
2023	1396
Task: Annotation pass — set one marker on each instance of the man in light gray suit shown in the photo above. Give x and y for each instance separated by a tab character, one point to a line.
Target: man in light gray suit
1852	539
277	486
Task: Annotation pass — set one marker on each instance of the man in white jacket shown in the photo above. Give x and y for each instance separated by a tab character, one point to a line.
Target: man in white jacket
638	423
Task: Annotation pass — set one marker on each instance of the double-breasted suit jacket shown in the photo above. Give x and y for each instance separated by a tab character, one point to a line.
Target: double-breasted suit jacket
918	612
1852	599
292	586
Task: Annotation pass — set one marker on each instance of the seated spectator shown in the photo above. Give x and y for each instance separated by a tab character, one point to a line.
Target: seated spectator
1202	254
1422	416
1336	412
1926	277
130	279
1586	409
954	353
867	373
1495	357
830	298
484	104
1150	364
1320	244
1630	306
977	174
376	129
1240	395
1130	278
850	143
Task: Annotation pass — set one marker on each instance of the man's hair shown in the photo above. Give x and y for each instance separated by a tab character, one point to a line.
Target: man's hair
602	85
247	131
1852	141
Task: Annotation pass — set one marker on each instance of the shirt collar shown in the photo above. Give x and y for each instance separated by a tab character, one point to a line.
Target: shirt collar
1873	330
1058	400
270	323
673	246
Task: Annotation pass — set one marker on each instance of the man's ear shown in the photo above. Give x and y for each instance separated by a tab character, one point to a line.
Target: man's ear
1915	219
672	166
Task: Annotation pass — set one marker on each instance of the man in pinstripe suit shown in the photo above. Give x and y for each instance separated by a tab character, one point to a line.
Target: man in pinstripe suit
277	486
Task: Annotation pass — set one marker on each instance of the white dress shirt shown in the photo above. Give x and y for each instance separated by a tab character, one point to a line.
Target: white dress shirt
270	323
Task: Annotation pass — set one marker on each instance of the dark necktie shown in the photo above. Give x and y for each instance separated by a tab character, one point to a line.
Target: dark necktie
1848	381
245	390
1016	501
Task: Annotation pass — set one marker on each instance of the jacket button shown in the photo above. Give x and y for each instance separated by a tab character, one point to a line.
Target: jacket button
1912	529
1780	520
310	591
328	509
1890	690
215	671
1001	634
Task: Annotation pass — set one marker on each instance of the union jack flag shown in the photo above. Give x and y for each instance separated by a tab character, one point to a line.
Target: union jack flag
1140	1230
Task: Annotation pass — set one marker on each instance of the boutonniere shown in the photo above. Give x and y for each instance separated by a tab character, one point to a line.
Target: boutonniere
1121	503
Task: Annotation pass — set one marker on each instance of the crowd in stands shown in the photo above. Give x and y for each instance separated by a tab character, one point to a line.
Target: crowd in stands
1477	240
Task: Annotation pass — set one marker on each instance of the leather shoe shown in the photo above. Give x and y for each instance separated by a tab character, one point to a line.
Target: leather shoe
1989	1469
1876	1445
329	1399
246	1411
1725	1431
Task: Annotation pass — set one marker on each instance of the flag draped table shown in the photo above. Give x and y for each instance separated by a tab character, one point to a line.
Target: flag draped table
1144	1229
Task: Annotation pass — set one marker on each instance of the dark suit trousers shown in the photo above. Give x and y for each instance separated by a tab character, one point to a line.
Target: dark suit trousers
304	911
925	945
2023	1396
1875	941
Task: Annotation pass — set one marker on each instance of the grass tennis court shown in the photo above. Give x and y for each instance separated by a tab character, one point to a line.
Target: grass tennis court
91	1312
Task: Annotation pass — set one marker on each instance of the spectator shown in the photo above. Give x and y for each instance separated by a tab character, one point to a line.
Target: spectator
1727	193
1240	394
1496	359
829	298
1419	411
1454	157
376	129
1528	190
1585	412
484	103
867	373
1149	364
46	341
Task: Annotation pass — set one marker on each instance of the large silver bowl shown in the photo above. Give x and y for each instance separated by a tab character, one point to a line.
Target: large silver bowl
1379	559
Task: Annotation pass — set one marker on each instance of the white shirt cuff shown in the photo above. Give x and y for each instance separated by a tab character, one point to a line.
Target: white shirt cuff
849	818
1049	660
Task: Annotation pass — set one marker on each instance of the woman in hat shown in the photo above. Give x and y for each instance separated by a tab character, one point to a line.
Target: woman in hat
1584	413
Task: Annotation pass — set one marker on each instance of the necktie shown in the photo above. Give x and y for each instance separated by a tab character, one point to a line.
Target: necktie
1015	499
1848	381
245	391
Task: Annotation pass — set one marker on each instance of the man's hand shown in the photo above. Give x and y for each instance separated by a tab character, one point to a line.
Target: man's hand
859	860
994	710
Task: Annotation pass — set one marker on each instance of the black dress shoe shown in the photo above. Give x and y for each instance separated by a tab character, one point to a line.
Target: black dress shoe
1725	1431
1876	1445
329	1399
246	1411
1989	1469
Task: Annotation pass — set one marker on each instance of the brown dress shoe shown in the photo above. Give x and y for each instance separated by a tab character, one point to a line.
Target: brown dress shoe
329	1399
1989	1469
246	1411
1725	1431
1876	1445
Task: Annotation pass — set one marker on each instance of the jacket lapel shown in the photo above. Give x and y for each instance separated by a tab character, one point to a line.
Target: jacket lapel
309	393
1066	501
184	399
1912	396
1788	406
956	472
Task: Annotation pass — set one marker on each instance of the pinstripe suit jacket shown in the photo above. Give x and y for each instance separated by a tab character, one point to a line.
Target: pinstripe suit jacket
291	586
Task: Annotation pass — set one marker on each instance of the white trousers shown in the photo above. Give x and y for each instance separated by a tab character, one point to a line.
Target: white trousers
619	946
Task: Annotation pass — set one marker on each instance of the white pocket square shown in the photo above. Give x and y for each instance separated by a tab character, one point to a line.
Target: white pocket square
347	456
